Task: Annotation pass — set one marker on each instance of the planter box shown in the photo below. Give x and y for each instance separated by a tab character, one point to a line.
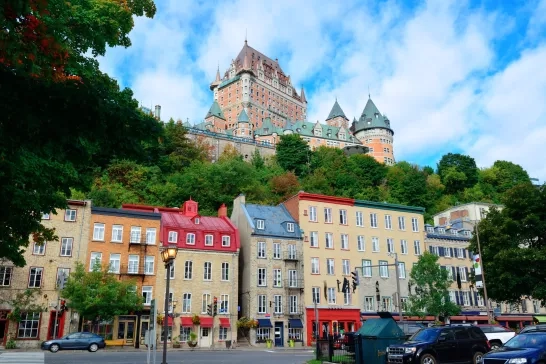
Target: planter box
116	342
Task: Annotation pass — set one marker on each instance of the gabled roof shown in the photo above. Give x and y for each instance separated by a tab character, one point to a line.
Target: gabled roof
215	111
371	118
206	223
336	112
275	221
268	128
243	117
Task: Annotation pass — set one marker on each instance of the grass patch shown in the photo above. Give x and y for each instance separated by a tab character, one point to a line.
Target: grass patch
314	361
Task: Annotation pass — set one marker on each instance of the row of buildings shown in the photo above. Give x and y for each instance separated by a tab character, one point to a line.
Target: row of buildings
273	264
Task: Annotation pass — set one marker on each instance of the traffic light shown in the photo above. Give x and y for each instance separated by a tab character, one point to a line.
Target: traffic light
215	307
63	306
209	310
356	280
345	288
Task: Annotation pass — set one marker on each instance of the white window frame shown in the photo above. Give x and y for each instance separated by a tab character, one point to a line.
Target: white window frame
39	249
260	224
207	271
315	265
226	240
147	292
98	231
369	304
225	271
290	227
314	239
135	237
209	240
347	298
414	225
383	269
276	251
133	264
375	244
327	215
359	219
188	269
388	222
466	298
403	246
402	223
35	277
29	325
173	237
401	270
114	263
329	237
315	294
462	272
151	235
70	215
277	277
277	304
331	294
344	241
186	302
361	243
149	264
293	304
117	234
330	266
6	273
390	245
262	250
343	217
262	277
373	220
417	247
190	238
312	213
262	303
224	304
346	264
366	268
94	257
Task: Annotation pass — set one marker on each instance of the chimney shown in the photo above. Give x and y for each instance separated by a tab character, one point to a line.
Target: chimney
158	112
222	211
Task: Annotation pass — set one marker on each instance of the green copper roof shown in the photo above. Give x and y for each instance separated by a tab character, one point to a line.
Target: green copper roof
371	118
336	112
268	128
215	111
389	206
243	117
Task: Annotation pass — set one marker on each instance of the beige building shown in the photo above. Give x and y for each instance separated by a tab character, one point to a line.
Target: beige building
45	264
472	212
342	235
271	272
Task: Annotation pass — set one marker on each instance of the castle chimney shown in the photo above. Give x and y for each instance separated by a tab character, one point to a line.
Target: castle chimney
157	112
222	211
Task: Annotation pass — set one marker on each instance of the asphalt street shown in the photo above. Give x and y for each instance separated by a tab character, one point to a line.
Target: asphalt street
178	357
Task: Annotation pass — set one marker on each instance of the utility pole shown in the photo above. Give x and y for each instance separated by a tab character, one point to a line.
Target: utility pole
483	273
317	327
398	295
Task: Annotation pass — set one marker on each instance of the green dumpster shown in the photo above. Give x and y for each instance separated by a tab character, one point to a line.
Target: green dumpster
375	336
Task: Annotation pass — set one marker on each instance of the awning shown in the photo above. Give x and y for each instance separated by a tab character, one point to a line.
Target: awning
264	323
169	321
224	322
540	319
186	322
205	321
514	318
295	324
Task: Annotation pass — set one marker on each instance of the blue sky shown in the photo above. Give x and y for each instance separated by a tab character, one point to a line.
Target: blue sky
453	76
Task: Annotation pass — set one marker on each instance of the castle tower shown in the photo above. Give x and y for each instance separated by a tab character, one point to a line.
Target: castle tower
215	120
337	117
243	128
374	131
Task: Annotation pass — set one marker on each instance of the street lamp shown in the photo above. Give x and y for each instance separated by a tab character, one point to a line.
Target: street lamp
168	255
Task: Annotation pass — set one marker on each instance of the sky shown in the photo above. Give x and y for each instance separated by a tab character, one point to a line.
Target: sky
455	76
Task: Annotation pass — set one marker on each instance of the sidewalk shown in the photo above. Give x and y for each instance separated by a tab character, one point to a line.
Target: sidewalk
160	348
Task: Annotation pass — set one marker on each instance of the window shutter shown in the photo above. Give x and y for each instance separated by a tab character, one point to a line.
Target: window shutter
470	298
454	273
466	273
476	298
452	252
461	299
457	297
430	248
464	253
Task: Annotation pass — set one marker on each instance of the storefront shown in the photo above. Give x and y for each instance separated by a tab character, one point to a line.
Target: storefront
515	322
331	322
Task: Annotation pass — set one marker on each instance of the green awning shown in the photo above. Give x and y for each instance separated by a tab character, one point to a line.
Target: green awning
540	319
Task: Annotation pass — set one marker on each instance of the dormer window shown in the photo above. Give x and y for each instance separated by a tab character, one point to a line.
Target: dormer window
196	221
260	224
466	233
454	232
290	227
441	231
430	229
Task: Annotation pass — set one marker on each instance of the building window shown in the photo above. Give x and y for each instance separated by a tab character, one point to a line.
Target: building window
39	248
5	276
134	262
360	243
149	261
401	270
447	252
150	236
346	267
331	295
98	231
291	251
185	333
190	239
28	326
330	266
277	278
367	268
343	217
453	296
404	246
388	223
347	297
70	215
147	295
226	240
386	303
224	304
260	224
316	295
225	271
262	307
383	269
262	333
188	269
209	240
359	219
390	245
117	233
373	220
401	223
312	213
114	264
186	303
327	215
290	227
207	271
417	247
277	304
173	237
276	251
466	298
262	277
369	304
45	216
329	241
95	261
35	277
222	333
293	304
375	244
462	272
261	249
205	302
171	271
344	241
135	235
314	239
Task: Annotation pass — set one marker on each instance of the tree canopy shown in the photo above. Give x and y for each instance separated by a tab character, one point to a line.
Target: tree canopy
457	172
293	153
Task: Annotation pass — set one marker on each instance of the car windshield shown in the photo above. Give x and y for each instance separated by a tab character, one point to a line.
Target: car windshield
523	341
425	335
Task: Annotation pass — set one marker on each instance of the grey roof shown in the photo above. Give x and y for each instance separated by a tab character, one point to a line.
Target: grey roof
275	220
109	211
371	118
243	117
215	111
336	112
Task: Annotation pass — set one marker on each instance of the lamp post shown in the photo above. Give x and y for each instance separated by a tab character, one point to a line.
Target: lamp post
168	255
475	225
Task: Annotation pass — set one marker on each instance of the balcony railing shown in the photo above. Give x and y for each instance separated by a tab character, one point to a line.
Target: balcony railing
293	283
134	269
290	310
292	255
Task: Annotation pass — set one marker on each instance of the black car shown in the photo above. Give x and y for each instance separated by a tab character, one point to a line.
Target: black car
441	344
75	341
526	348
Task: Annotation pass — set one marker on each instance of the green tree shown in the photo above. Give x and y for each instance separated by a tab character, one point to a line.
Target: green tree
408	185
457	172
293	153
429	285
100	295
513	245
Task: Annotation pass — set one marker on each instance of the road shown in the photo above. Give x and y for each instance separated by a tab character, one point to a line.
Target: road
178	357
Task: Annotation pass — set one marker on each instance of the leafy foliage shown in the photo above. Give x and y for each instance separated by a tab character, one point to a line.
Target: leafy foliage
23	302
293	153
430	289
99	294
457	172
513	245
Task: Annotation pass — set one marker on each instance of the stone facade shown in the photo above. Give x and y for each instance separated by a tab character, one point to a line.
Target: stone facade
44	264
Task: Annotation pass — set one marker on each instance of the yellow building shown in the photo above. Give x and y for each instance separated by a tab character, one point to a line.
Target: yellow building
45	264
342	235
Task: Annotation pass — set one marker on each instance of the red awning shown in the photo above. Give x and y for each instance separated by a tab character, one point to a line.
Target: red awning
169	321
205	321
224	322
477	318
186	321
514	318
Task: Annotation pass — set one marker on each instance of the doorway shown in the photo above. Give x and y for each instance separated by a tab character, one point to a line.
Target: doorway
205	337
279	337
144	326
55	328
126	329
3	329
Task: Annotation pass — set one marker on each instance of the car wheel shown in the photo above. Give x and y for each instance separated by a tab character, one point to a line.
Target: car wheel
428	359
495	345
478	357
93	347
54	348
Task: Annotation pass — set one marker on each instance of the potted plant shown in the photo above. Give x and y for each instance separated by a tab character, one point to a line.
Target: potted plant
196	320
192	343
268	343
176	342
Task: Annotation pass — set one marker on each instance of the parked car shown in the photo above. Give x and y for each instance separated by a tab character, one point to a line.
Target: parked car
497	335
441	344
532	328
75	341
347	342
523	348
410	328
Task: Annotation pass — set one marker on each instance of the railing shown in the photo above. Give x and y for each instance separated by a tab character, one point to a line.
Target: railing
228	137
130	269
291	255
298	310
293	283
336	349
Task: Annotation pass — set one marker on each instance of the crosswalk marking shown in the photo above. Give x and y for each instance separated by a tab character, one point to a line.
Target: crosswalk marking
22	358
